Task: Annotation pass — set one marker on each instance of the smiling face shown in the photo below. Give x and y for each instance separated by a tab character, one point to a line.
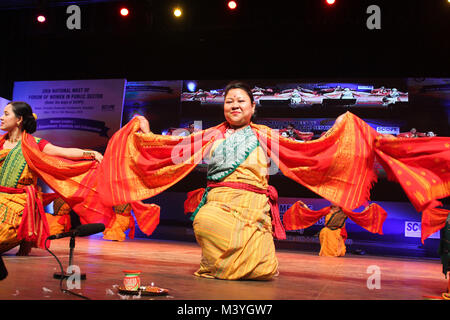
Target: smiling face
9	120
238	108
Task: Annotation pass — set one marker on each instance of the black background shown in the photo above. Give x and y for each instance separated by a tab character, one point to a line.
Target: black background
262	39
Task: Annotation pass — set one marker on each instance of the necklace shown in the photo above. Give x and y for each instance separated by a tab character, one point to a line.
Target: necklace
13	140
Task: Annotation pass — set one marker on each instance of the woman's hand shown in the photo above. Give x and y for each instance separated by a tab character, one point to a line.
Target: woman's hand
143	124
92	155
72	153
97	156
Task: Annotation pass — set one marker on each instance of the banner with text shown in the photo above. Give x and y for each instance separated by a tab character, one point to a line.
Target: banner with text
75	113
318	125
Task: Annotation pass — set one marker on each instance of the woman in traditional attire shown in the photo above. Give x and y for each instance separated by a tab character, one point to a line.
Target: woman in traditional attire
123	221
59	221
22	218
232	223
332	237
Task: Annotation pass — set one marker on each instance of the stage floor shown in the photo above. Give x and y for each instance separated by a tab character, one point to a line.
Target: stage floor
170	265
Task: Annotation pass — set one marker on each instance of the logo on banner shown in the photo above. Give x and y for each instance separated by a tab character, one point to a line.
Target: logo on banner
388	130
413	230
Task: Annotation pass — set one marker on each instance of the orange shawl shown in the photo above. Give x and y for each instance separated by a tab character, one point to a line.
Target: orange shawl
339	166
138	166
300	217
422	167
76	182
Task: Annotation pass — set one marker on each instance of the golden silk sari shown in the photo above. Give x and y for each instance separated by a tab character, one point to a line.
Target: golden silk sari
22	217
123	221
333	235
332	244
233	225
59	221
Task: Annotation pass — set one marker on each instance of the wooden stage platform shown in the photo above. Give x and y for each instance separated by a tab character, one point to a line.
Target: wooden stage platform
170	265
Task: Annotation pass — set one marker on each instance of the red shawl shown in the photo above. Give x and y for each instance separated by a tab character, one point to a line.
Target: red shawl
339	166
422	167
76	182
138	166
300	217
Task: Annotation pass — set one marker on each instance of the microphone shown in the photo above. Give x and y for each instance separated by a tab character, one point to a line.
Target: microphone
81	231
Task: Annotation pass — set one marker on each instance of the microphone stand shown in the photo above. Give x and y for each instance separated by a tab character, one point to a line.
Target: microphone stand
59	275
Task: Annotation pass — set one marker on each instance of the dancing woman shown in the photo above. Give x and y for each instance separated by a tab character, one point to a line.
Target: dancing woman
22	219
235	217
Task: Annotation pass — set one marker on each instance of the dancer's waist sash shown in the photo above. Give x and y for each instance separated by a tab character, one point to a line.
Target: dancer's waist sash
272	194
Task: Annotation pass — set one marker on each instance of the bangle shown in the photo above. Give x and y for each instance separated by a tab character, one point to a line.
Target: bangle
88	155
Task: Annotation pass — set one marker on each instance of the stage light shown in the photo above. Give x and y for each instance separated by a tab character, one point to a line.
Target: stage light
191	86
177	12
41	18
330	2
232	5
124	12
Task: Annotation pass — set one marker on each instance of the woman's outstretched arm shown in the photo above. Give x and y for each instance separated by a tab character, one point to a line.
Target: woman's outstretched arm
72	153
